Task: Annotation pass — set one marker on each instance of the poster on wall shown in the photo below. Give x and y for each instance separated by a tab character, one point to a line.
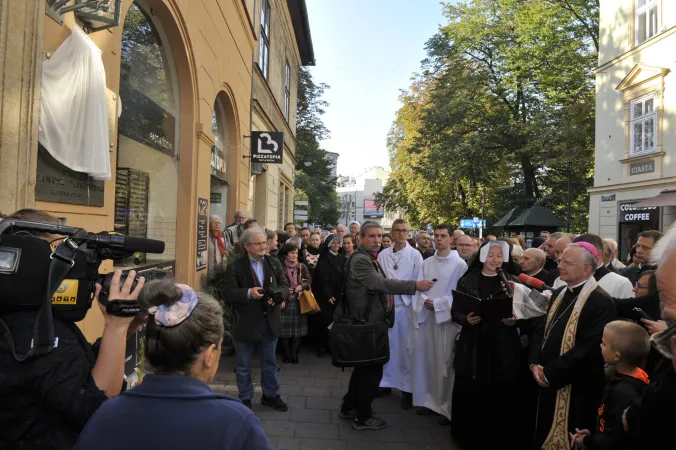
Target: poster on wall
267	147
372	210
202	230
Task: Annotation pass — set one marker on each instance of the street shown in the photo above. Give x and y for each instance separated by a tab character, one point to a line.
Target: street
313	390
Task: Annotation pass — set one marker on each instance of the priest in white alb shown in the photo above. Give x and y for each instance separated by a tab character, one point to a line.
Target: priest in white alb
402	262
435	332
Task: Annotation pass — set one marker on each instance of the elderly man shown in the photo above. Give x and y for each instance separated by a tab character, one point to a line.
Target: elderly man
256	287
533	263
652	418
552	260
610	256
422	241
614	284
644	246
466	246
565	354
365	284
234	231
400	262
341	230
457	234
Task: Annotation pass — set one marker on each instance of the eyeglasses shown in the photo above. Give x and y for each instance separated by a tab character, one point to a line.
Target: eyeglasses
464	245
399	230
640	286
662	341
569	263
258	243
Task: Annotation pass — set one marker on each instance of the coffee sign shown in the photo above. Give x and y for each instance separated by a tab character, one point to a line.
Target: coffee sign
630	213
267	147
642	167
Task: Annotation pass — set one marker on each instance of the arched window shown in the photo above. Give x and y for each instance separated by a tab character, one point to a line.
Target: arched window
147	158
219	158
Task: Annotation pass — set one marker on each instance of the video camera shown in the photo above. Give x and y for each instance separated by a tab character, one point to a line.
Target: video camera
57	280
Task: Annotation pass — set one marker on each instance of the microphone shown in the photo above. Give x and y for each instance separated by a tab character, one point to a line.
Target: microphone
501	274
129	244
534	282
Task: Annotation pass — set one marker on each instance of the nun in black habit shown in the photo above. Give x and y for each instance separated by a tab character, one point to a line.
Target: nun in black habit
326	287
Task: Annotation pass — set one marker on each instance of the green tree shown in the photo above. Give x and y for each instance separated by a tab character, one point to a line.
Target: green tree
501	115
314	181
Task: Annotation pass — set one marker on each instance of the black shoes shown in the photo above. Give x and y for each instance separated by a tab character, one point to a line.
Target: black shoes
406	400
274	403
286	359
247	403
294	360
372	423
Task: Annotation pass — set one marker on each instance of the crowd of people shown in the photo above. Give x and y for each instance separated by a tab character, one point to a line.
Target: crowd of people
548	344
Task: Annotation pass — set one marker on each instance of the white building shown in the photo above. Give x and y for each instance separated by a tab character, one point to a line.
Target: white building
357	197
635	119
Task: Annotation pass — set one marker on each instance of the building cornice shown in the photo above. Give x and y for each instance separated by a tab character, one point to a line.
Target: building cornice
649	184
635	50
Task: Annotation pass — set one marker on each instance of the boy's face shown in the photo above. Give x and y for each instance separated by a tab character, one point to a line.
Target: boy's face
610	356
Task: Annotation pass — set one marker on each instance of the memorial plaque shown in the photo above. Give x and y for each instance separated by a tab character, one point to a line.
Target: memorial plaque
57	183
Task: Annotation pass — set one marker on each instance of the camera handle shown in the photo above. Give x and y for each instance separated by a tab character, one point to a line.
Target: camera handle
44	341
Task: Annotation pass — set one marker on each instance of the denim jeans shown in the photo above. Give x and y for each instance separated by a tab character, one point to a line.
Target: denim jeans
266	351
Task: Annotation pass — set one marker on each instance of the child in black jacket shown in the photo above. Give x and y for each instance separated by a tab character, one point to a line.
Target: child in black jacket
625	345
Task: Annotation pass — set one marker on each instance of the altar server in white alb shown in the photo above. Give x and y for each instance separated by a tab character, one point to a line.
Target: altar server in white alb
401	262
435	333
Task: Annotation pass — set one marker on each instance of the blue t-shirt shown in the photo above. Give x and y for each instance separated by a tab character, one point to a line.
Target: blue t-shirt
173	412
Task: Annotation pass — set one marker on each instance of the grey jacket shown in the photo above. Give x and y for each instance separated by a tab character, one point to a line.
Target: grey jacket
365	282
248	321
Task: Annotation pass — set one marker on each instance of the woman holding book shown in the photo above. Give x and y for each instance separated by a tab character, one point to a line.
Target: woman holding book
486	358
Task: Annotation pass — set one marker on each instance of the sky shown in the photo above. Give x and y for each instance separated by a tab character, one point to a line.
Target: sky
367	51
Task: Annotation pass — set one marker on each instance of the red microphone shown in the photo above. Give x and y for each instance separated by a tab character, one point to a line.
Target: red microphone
534	282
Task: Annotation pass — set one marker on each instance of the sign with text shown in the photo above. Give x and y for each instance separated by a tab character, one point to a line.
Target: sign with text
55	182
215	197
267	147
372	210
629	213
470	224
642	167
608	198
202	232
217	163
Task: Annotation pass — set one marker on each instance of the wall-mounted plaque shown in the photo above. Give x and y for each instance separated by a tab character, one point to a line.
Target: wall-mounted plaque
57	183
641	168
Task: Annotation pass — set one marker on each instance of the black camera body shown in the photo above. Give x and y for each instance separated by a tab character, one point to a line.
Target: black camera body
106	281
274	295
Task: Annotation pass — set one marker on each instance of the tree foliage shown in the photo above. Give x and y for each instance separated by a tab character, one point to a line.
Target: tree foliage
502	114
314	182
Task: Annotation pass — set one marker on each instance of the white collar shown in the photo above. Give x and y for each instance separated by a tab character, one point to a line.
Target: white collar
570	288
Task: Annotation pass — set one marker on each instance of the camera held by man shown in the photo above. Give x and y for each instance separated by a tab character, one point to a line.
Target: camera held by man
51	379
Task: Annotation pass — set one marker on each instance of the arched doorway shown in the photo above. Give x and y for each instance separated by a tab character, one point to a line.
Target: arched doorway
224	161
147	175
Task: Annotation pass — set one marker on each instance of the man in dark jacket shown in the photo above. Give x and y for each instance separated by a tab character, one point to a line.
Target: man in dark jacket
644	246
365	283
256	287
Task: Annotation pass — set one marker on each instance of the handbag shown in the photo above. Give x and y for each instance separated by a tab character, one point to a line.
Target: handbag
306	299
354	342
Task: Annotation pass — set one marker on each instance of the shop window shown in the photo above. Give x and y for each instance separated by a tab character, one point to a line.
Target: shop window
219	152
646	20
264	54
643	126
147	158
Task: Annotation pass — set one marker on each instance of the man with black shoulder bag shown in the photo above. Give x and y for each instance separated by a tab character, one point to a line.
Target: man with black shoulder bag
359	333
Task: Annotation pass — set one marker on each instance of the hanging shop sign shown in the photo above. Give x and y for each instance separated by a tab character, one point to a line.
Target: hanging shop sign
630	213
217	163
267	147
202	230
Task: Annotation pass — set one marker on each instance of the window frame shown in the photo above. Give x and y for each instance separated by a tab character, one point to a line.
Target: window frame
650	4
643	119
264	46
287	91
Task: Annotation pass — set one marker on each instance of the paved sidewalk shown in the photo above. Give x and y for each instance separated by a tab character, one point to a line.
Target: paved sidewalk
313	390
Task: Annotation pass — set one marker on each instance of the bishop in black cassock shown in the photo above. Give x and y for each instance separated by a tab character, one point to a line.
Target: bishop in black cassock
566	346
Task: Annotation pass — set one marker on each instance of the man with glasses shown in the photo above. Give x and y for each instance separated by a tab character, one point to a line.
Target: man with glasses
466	246
565	358
234	231
400	262
652	419
644	246
256	287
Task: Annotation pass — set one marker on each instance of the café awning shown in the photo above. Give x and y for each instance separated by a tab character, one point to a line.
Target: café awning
665	198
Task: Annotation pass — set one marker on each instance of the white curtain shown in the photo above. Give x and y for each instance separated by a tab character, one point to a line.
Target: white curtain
73	107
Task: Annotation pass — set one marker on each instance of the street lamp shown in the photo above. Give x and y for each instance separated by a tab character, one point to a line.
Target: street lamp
307	163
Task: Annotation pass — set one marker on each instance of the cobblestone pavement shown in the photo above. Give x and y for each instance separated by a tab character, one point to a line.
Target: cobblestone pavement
313	390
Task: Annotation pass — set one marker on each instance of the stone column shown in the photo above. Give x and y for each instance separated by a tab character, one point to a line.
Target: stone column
21	29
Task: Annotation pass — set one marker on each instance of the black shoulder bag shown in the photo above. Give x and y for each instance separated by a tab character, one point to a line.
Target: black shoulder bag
355	342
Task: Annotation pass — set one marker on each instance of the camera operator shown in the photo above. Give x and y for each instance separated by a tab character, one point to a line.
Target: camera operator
46	401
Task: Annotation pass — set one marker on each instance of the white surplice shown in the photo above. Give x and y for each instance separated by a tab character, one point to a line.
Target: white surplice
434	336
616	285
408	262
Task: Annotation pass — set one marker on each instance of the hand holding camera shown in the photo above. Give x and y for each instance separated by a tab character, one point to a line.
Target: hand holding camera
118	290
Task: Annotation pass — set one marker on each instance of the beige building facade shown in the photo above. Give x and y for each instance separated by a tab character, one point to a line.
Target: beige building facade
635	120
179	76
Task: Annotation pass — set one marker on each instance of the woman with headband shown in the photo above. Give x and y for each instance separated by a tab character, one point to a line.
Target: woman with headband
174	407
